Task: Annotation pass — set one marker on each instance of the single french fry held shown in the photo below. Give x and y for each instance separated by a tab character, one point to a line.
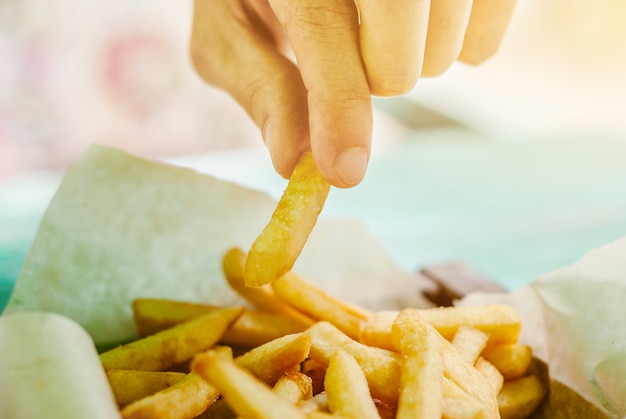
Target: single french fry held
278	246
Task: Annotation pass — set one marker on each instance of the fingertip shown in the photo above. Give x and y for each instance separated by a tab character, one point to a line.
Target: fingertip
350	166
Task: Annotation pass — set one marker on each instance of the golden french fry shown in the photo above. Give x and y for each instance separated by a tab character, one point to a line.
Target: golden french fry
457	404
218	410
499	321
188	398
520	397
245	394
278	246
151	315
130	385
317	403
381	368
347	390
294	386
491	373
511	360
459	371
263	298
318	304
421	371
269	362
470	342
171	346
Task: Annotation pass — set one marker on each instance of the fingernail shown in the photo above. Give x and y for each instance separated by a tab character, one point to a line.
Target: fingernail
351	164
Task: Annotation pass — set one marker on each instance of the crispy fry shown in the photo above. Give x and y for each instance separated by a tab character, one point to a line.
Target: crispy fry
130	385
381	368
246	395
457	404
269	362
460	372
421	367
187	398
511	360
171	346
252	328
470	342
294	386
499	321
318	304
263	298
278	246
491	374
520	397
347	390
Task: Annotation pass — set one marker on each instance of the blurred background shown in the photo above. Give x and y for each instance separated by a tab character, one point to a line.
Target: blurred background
517	166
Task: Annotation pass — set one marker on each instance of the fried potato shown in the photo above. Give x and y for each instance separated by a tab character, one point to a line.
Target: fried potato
347	390
130	385
171	346
252	328
457	404
381	368
263	298
269	362
245	394
318	304
520	397
188	398
499	321
278	246
491	374
421	371
511	360
294	386
470	342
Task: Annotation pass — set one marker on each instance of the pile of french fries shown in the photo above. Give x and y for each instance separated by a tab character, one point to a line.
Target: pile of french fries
294	351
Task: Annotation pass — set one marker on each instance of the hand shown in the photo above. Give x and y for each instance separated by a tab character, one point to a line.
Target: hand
305	70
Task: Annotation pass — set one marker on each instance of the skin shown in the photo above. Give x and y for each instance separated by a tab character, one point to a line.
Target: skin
306	70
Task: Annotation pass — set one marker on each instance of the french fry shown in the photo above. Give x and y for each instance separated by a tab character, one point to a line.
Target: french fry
263	298
171	346
269	362
381	368
347	390
520	397
459	371
188	398
245	394
318	304
457	404
252	328
317	403
421	372
294	386
218	410
278	246
470	342
499	321
491	373
130	385
511	360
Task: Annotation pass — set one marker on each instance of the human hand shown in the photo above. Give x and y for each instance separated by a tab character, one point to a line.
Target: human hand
343	55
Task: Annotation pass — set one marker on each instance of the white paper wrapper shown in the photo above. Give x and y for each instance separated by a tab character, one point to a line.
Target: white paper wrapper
120	227
574	318
50	369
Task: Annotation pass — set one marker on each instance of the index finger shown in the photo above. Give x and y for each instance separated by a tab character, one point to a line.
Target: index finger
325	41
